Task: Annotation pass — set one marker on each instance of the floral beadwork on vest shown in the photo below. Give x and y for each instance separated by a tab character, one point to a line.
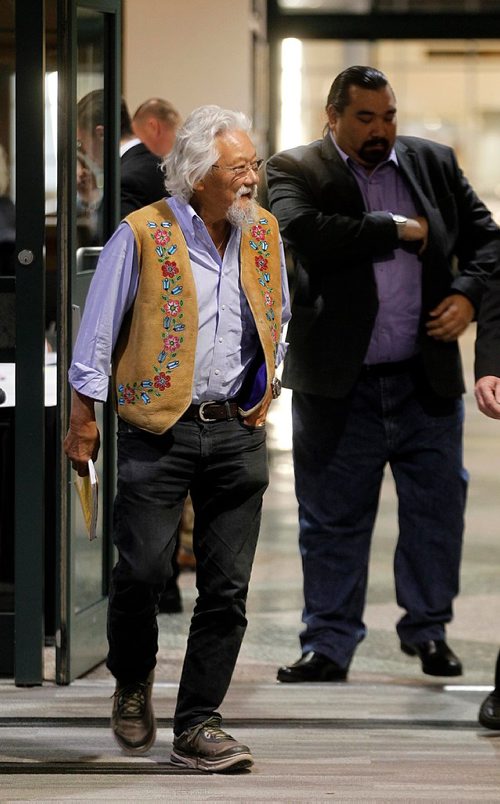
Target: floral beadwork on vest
259	242
171	337
154	357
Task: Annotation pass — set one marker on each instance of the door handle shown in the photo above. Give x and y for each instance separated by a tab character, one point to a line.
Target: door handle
83	253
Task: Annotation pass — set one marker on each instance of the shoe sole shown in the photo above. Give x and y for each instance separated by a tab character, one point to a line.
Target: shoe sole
429	672
238	762
290	679
136	751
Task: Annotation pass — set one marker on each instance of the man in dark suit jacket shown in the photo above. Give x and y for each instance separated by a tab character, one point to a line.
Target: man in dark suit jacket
487	390
392	249
141	179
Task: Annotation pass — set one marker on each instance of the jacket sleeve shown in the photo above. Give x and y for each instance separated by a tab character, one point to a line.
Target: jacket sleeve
477	246
487	360
298	197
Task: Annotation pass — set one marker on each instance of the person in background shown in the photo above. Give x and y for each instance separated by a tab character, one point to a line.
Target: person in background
88	201
155	122
141	180
487	391
187	305
7	220
392	251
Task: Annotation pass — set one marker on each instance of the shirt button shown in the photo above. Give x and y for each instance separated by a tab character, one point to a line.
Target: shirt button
223	307
216	372
220	340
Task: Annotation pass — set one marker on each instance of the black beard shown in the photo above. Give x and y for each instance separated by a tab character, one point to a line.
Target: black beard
374	157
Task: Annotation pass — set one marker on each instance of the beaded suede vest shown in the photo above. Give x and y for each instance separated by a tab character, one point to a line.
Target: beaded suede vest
153	361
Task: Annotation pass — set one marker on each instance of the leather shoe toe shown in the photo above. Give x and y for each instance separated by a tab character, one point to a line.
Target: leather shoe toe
489	713
312	666
436	656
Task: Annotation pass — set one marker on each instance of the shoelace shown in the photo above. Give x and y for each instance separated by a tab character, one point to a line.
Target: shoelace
132	699
211	728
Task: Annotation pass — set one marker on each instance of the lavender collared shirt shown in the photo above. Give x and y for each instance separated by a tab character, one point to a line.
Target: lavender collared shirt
227	337
399	274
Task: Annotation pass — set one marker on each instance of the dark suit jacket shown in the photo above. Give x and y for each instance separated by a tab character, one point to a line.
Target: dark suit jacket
333	240
141	180
488	330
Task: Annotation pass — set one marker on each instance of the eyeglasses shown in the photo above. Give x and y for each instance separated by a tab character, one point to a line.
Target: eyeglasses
241	170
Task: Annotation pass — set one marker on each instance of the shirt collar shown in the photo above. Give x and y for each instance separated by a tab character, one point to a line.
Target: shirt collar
126	146
189	220
352	162
185	215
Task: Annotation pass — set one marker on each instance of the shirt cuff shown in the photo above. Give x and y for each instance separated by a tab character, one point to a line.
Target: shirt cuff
89	382
281	352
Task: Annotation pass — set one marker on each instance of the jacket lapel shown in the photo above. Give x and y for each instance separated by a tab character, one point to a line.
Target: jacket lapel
346	186
411	170
419	183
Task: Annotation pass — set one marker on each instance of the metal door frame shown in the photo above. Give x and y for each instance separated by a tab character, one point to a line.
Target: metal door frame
30	344
87	629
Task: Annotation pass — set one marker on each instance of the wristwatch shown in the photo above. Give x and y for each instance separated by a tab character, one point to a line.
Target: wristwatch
400	222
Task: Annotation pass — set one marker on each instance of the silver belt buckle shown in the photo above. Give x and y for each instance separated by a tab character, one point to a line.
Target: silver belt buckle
201	415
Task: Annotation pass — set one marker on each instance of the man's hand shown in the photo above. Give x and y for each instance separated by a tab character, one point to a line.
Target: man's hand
416	229
450	318
83	439
487	392
258	418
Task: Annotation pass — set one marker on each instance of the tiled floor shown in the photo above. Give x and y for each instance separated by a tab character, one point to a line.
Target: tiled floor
389	734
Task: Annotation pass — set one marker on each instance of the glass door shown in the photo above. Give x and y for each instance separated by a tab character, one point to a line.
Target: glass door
28	399
7	334
87	202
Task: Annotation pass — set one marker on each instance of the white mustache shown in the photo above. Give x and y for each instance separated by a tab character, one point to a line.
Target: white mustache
244	190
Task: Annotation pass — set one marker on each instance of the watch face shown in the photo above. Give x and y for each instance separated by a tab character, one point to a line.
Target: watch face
399	219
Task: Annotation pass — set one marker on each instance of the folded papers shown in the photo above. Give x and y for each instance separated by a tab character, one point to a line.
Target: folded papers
88	488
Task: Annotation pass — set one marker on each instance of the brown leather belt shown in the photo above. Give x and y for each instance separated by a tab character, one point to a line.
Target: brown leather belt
211	411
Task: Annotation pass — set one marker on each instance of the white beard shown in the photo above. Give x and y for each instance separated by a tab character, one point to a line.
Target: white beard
240	215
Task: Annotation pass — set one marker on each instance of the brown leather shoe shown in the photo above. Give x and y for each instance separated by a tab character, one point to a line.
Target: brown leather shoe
207	747
133	721
186	559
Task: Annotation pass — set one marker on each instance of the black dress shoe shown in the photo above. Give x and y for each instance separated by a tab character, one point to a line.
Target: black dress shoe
312	666
489	713
436	657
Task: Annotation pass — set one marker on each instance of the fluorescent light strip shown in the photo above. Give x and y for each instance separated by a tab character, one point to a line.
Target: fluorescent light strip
291	93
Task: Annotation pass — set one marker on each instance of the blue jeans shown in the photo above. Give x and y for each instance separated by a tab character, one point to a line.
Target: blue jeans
341	448
224	466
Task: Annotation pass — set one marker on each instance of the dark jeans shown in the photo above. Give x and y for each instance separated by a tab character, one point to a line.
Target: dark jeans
224	466
340	450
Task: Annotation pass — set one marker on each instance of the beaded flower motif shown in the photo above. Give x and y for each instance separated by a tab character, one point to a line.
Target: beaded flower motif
171	336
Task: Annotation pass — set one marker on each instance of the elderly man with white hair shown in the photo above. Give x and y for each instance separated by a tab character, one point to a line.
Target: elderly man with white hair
187	305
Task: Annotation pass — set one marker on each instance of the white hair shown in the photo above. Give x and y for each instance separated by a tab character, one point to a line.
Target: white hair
195	149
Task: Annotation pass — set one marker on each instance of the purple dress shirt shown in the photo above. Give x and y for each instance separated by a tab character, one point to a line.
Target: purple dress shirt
399	274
